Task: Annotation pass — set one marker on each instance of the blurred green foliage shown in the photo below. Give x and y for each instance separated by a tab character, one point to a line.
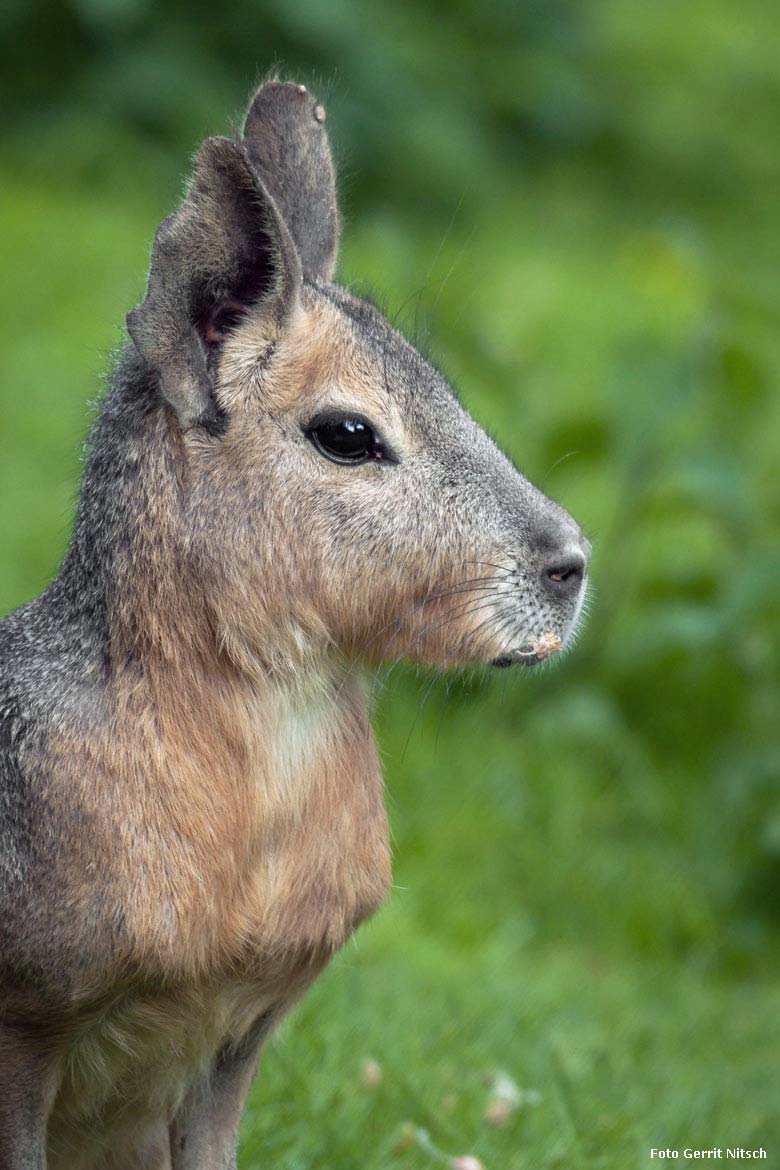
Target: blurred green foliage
575	206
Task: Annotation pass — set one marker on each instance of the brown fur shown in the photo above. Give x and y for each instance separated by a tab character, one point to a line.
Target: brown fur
246	817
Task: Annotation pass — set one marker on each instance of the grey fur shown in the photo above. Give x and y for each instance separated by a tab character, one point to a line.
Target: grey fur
286	141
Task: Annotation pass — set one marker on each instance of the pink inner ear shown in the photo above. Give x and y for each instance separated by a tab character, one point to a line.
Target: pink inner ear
221	320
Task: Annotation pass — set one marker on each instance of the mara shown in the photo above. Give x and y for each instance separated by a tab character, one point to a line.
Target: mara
279	489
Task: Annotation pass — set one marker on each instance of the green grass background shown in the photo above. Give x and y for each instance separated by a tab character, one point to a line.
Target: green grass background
576	205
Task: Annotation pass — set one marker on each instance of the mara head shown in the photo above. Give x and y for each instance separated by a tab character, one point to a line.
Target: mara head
338	497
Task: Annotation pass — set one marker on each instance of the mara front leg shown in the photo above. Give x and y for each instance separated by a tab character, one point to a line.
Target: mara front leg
204	1134
26	1091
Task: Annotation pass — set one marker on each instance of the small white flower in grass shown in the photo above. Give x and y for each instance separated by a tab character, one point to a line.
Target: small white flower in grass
498	1112
503	1088
506	1097
466	1162
371	1074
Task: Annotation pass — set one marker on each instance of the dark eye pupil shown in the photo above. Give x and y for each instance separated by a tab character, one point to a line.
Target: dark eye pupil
345	439
348	437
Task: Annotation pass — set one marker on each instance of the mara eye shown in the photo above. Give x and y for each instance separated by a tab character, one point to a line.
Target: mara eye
346	438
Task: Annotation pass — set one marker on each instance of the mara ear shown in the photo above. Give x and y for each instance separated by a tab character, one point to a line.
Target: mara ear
225	248
285	139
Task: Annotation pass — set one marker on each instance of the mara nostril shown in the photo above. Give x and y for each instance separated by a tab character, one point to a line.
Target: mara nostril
564	574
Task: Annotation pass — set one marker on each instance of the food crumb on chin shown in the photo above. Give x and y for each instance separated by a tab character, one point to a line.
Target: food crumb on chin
543	647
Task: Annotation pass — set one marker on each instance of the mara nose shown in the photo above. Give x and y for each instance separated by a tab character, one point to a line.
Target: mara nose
563	573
